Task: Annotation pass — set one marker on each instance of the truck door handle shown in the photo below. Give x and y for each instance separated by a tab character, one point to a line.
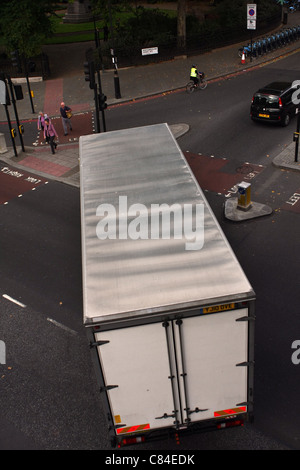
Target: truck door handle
196	410
165	416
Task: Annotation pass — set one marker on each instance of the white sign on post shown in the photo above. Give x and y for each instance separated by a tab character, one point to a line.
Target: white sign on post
251	11
2	92
150	50
251	24
251	16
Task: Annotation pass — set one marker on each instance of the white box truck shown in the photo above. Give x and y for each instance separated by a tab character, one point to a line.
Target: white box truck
167	307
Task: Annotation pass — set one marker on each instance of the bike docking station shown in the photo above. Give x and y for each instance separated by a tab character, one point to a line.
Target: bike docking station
242	208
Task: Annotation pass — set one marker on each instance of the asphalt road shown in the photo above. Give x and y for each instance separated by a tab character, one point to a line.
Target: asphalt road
49	399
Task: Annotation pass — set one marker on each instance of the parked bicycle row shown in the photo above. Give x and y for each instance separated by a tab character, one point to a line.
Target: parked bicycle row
293	7
270	43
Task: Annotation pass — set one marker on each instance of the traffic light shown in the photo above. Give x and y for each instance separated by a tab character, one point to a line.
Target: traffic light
21	129
89	72
15	59
13	132
102	102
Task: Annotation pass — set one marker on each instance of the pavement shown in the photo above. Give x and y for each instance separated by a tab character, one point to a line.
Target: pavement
67	84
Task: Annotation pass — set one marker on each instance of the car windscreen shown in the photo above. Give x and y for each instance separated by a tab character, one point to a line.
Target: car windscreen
270	101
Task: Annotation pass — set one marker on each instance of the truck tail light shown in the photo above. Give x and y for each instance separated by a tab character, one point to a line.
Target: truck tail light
127	441
230	424
280	103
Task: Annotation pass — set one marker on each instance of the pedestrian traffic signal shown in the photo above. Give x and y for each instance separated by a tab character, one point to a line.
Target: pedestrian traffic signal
21	129
13	132
15	59
102	102
89	72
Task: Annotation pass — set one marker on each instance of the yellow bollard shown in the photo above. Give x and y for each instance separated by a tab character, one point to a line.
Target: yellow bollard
244	196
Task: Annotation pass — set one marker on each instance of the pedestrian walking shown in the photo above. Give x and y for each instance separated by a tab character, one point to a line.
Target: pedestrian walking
41	123
66	114
50	132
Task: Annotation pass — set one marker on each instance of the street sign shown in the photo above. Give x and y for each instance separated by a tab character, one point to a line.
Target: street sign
251	11
251	24
150	50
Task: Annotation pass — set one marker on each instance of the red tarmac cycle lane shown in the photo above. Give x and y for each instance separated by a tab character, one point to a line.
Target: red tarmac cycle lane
293	203
217	175
14	183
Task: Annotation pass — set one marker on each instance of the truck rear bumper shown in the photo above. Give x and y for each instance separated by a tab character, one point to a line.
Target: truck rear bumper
176	434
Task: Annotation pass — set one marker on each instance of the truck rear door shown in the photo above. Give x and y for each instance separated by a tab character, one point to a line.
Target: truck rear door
173	373
136	360
212	364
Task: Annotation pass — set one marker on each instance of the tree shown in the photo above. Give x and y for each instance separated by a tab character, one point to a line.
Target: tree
25	24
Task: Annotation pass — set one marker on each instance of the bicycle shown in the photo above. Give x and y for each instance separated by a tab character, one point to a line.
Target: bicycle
202	84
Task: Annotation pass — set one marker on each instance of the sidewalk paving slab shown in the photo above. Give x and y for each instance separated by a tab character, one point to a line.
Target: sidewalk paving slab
286	159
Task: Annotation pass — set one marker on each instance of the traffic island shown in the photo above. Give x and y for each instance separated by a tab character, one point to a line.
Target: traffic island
233	212
242	208
179	129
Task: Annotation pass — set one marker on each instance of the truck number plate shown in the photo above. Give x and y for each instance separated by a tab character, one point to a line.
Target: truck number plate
218	308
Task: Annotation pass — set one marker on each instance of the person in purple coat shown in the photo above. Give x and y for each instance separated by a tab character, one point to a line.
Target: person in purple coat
41	122
50	132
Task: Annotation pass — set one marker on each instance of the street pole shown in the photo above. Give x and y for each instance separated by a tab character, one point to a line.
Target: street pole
114	59
10	130
98	48
100	92
12	95
296	137
97	107
251	22
28	84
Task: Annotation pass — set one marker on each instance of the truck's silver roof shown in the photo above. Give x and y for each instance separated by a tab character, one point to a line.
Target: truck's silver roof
128	278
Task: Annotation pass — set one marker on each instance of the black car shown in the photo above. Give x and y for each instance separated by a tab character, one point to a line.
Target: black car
276	102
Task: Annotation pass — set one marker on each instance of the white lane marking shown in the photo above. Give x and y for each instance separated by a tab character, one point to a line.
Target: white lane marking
60	325
13	300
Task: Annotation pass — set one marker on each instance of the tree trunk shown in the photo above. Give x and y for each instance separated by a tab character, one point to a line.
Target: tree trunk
181	24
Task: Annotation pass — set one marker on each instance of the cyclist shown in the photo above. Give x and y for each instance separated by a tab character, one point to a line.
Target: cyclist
194	75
